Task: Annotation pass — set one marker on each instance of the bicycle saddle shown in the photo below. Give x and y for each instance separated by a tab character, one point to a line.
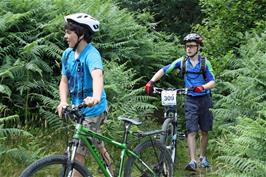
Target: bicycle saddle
132	121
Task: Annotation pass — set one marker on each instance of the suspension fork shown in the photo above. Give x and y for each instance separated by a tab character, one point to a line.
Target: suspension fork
70	153
174	137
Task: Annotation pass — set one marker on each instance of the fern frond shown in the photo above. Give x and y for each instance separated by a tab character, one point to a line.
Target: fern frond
4	132
4	89
243	150
8	118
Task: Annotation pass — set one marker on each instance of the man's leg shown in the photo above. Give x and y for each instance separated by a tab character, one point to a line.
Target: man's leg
191	115
191	140
107	159
203	149
95	125
203	143
205	122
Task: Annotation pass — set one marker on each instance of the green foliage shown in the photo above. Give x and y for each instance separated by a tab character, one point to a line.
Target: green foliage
5	132
169	15
31	46
124	99
23	70
225	24
242	94
242	152
8	149
246	90
123	40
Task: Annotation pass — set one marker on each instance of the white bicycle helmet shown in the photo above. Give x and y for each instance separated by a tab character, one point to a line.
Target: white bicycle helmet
84	20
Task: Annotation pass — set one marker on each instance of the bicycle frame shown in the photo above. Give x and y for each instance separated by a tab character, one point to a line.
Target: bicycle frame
171	113
82	133
168	97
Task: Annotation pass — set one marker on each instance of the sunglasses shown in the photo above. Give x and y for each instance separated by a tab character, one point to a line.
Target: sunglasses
191	46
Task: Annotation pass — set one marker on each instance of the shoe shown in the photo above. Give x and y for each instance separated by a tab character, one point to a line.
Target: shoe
191	166
204	163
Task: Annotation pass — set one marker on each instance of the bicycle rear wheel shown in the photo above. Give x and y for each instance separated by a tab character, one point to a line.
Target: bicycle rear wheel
53	166
155	155
168	136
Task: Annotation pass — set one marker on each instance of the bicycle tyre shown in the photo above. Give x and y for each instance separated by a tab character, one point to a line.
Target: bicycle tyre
35	169
145	150
166	138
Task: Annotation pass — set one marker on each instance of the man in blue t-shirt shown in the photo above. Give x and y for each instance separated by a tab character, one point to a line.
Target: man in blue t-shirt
199	75
82	77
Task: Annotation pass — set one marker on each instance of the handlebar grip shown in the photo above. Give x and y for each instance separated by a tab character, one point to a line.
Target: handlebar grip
82	105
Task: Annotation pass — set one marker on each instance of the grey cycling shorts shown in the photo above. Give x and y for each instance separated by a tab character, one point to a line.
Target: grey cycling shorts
198	114
93	123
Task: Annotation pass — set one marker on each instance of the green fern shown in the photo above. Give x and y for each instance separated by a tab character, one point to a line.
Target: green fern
245	90
243	150
31	46
124	99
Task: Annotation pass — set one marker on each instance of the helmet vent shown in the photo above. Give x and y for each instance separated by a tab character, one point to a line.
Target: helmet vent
96	26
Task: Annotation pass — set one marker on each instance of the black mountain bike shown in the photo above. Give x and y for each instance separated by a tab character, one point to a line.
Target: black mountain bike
170	125
148	159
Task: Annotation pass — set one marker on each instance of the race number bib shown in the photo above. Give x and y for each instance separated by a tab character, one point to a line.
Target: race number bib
168	97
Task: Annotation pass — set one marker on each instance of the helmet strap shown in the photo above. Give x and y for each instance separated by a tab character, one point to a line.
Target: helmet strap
195	52
76	45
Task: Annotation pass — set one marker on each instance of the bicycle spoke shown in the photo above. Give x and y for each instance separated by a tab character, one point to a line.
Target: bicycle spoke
156	157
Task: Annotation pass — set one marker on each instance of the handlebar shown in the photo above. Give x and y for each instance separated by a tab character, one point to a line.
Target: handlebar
74	112
73	108
181	91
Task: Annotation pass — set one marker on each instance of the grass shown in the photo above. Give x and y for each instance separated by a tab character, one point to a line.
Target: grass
52	142
183	159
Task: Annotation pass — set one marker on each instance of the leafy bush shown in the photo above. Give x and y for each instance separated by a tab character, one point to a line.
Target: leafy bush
224	25
31	47
242	152
243	88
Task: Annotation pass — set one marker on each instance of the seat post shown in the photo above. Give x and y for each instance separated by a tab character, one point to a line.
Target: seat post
126	131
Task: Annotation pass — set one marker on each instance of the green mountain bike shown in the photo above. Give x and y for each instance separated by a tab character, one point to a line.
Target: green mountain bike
149	159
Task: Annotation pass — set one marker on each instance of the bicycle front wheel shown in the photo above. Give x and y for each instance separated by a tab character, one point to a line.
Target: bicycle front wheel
155	155
168	136
53	166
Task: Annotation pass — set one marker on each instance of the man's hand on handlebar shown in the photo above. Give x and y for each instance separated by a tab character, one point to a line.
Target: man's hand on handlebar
198	89
149	87
60	108
91	101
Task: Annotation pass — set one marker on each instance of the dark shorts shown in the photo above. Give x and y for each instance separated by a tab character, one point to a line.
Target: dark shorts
198	114
93	123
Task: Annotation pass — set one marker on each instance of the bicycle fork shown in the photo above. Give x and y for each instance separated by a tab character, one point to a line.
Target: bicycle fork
172	148
71	153
174	139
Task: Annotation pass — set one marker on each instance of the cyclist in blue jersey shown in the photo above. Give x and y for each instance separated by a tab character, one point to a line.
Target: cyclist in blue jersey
82	76
198	74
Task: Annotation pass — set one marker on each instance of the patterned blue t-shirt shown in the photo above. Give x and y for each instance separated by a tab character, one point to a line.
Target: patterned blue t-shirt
78	72
190	79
